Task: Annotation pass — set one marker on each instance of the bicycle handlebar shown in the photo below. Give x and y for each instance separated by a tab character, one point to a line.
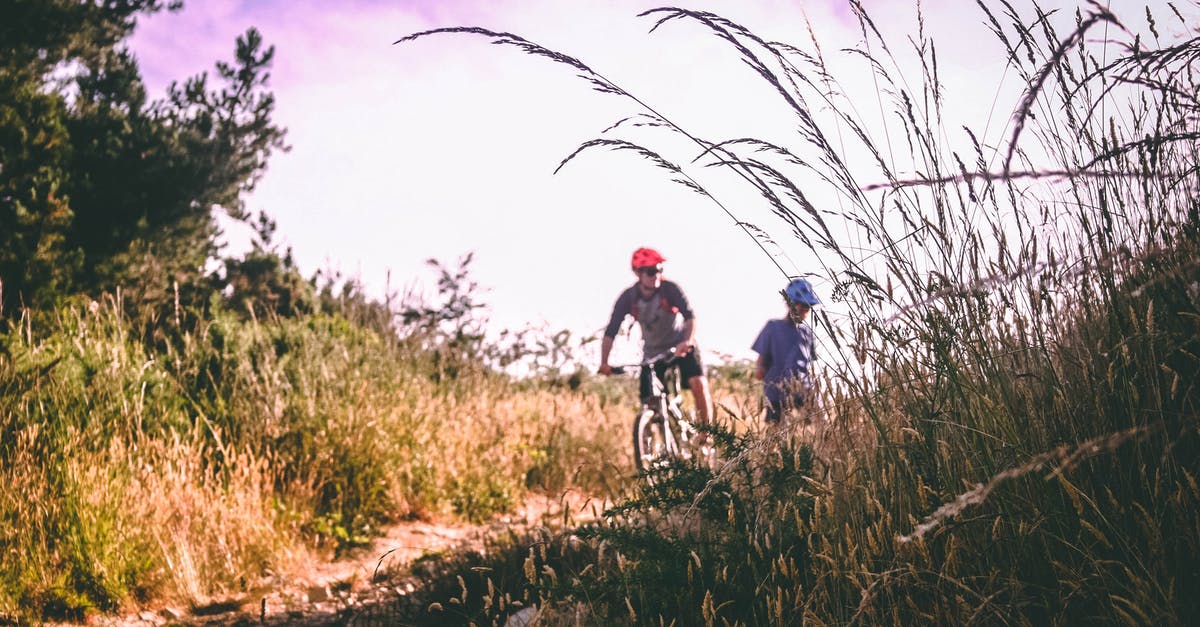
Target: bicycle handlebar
667	358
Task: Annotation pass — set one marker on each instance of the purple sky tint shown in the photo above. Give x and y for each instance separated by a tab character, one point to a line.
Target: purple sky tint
443	146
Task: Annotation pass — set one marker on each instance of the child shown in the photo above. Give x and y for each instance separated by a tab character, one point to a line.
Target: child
785	352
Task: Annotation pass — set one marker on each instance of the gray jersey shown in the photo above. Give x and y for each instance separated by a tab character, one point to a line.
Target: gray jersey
661	317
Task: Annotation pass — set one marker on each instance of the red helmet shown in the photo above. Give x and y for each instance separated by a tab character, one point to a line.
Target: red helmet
646	257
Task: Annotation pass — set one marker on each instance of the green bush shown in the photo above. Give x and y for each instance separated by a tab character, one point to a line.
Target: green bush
184	462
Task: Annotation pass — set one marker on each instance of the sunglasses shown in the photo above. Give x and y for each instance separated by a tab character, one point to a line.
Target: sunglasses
649	271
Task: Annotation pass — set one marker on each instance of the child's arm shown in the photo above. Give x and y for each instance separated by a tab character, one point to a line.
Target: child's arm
762	346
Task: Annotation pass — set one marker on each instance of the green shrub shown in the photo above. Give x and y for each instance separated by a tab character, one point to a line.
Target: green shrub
185	462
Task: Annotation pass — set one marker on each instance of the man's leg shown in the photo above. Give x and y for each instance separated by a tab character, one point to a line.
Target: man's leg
645	386
702	398
692	369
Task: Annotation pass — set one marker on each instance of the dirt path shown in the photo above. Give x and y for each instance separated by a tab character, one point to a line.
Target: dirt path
331	593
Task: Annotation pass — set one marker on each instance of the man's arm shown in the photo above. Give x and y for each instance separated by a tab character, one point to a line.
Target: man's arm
677	299
620	309
689	333
760	367
606	345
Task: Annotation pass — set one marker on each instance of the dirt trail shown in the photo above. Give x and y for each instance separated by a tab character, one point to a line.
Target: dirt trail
331	593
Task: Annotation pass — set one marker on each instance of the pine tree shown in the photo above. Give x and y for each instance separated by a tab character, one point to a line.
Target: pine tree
100	187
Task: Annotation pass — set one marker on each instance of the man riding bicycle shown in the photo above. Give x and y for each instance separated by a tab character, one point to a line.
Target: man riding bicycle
668	326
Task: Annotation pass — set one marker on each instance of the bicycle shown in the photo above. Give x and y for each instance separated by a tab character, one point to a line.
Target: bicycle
661	432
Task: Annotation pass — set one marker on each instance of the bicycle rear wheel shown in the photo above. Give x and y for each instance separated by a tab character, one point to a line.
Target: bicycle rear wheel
651	444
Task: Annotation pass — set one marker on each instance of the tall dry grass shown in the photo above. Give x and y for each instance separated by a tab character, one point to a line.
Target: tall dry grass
1012	430
194	457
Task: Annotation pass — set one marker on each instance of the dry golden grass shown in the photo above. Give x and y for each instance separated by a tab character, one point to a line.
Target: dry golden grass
247	447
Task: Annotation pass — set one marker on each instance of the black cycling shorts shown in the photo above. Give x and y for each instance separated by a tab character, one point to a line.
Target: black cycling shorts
689	366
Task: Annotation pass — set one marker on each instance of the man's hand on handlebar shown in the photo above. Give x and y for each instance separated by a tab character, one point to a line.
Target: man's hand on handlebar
682	349
664	358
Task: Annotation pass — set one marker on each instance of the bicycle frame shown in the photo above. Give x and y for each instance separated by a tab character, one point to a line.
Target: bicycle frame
660	429
666	392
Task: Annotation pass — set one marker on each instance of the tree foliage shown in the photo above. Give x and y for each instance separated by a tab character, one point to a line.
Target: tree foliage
101	187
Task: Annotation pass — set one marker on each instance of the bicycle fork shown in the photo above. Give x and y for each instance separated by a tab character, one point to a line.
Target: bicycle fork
670	423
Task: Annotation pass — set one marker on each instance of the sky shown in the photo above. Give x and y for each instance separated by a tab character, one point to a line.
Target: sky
447	145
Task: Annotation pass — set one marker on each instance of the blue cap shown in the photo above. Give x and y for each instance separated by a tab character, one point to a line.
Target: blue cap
800	291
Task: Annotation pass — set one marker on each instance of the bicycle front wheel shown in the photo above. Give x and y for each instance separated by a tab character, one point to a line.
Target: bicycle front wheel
651	444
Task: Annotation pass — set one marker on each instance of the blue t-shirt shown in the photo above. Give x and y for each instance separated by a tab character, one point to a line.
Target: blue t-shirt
787	349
